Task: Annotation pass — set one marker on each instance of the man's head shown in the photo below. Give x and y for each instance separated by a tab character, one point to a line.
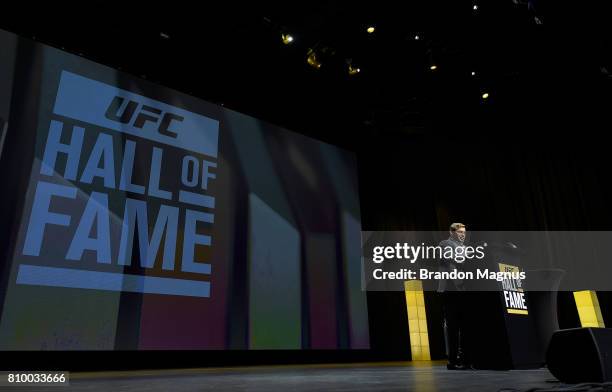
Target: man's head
457	231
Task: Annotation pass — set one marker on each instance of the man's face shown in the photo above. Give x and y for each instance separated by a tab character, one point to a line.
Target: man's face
459	234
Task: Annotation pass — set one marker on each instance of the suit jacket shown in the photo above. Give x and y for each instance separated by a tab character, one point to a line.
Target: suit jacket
447	264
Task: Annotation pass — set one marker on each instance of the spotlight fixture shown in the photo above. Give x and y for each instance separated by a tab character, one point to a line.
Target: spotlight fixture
433	67
485	95
473	73
475	7
416	37
353	70
287	38
370	29
312	59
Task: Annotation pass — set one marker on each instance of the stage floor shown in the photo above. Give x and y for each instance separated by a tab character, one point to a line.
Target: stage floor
390	376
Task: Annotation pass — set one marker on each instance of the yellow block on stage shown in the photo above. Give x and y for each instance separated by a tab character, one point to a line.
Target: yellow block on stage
417	320
588	309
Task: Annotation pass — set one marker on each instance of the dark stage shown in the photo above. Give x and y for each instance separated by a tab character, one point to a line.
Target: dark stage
386	376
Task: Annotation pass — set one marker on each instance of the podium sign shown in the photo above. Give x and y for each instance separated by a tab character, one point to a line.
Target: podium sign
513	292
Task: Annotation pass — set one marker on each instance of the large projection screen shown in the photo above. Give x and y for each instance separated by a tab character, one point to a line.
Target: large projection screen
139	218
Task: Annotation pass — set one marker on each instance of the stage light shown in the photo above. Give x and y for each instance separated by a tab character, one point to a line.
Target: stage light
416	37
473	73
352	69
485	95
370	29
312	59
287	38
433	67
164	35
475	7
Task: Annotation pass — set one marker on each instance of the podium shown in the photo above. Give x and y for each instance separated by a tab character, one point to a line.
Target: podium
503	333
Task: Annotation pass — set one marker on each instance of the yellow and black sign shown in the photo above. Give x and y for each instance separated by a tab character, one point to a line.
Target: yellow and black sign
512	290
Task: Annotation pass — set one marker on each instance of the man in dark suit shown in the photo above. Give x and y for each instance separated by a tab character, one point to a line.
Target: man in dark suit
455	304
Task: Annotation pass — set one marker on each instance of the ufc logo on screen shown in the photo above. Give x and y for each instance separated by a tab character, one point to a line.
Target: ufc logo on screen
128	111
